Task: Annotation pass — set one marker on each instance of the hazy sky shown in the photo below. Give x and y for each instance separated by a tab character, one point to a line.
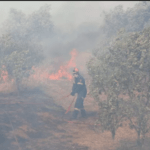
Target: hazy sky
77	22
65	15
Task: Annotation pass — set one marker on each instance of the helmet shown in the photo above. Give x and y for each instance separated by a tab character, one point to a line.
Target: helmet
75	71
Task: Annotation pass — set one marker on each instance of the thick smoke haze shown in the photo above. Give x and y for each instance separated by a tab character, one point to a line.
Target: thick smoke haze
66	15
74	24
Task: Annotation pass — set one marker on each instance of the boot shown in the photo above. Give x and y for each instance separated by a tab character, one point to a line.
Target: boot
83	113
75	114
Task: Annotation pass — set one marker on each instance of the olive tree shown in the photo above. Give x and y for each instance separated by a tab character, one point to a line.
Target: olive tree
133	19
123	68
21	42
17	59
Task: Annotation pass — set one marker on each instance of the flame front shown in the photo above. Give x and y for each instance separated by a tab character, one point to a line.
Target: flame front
4	75
41	74
63	70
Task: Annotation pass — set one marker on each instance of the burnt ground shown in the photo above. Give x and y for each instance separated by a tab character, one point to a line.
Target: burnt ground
33	121
36	121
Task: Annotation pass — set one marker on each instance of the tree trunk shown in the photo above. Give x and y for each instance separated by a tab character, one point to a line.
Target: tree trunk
18	86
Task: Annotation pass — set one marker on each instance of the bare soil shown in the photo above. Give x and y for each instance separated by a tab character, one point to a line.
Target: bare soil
36	120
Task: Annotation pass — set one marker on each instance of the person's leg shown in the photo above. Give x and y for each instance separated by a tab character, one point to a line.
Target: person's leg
83	113
76	109
81	106
75	113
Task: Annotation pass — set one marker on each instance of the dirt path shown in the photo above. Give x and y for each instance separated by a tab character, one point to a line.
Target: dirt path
35	121
30	126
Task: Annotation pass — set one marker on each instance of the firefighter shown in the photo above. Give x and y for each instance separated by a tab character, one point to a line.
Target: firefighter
78	87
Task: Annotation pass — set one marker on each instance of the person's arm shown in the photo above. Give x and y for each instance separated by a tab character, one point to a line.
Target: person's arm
84	88
85	92
74	88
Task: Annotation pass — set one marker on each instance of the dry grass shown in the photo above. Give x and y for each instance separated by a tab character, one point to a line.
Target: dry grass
80	135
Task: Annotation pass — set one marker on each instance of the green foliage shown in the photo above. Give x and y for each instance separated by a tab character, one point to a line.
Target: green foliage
33	27
133	19
20	43
123	69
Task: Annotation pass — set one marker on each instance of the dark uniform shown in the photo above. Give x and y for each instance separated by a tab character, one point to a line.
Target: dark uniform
78	87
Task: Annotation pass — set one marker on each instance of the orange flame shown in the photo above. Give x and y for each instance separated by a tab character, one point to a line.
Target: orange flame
63	70
41	73
4	75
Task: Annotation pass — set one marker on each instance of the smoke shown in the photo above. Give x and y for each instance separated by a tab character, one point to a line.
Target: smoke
59	27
